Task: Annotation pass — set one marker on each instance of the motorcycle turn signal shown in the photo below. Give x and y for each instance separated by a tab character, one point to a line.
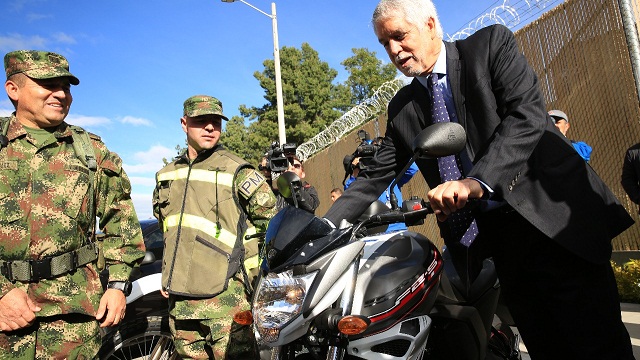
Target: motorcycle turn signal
353	324
243	317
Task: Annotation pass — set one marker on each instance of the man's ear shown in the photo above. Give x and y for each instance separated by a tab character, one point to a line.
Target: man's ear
12	90
183	123
431	27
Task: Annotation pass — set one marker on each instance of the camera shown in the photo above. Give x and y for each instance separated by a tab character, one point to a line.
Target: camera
277	157
365	151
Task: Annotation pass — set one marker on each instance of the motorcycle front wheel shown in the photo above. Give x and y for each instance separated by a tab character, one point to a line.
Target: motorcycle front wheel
148	338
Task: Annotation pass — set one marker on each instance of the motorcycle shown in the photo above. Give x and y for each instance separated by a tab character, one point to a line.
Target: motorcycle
358	293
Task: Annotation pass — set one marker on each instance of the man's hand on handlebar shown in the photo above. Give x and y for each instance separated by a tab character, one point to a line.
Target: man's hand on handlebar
451	196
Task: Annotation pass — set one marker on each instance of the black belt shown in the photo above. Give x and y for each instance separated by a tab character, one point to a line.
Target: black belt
50	267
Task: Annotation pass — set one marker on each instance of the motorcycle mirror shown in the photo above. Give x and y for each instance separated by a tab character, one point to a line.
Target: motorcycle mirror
440	139
436	140
376	207
149	258
286	181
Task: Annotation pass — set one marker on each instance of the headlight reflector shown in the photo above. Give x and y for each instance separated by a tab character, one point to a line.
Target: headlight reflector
278	300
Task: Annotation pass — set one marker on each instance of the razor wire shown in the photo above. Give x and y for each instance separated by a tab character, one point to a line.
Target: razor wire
353	118
509	13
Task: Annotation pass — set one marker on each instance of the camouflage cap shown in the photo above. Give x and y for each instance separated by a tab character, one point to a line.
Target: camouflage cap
203	105
38	65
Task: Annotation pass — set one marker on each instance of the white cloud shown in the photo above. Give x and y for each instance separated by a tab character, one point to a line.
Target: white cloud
149	161
63	38
142	204
136	121
142	180
18	41
6	108
87	121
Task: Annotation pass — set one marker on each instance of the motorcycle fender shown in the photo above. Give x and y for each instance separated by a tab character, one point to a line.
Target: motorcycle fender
145	285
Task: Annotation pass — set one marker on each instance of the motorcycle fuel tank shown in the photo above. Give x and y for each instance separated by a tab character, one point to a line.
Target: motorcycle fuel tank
399	277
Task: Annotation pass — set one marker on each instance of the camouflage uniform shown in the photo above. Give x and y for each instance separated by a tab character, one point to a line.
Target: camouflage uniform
44	212
206	205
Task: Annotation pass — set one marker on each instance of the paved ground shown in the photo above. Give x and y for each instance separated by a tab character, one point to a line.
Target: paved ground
631	318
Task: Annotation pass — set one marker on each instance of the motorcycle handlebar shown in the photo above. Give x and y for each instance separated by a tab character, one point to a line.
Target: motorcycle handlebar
412	215
398	216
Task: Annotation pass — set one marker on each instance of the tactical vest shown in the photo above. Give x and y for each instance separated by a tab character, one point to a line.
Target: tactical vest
204	224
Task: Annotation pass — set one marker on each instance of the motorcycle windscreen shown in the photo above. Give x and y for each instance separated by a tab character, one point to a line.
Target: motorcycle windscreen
289	231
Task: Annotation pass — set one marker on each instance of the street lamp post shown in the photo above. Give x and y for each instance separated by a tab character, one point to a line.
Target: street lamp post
276	58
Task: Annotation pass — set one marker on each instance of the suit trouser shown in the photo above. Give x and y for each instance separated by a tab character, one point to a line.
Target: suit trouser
564	306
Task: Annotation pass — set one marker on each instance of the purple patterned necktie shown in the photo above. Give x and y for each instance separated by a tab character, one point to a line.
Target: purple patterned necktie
462	224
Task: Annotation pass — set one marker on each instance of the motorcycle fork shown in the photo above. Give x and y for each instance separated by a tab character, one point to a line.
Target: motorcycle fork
276	353
346	302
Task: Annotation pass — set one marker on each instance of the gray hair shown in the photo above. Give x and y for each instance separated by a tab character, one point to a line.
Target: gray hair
416	12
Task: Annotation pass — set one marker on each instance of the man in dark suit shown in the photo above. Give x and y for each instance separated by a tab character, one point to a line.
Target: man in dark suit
546	218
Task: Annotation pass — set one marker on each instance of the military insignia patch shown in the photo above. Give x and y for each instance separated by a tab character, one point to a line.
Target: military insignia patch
251	183
8	165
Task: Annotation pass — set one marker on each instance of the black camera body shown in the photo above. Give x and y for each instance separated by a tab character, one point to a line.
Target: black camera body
366	150
277	157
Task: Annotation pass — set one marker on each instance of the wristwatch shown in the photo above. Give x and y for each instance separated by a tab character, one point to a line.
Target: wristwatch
124	286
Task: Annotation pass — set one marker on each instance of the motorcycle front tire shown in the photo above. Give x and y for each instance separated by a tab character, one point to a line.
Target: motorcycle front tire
145	338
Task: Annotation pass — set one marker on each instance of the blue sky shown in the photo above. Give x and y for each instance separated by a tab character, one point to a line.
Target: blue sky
138	60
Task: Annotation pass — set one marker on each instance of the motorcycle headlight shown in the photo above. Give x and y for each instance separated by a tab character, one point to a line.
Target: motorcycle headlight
278	300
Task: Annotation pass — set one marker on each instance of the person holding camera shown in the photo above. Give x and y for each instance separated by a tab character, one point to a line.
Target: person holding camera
307	198
353	165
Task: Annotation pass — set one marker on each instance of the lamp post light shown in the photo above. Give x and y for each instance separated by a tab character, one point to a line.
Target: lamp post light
276	58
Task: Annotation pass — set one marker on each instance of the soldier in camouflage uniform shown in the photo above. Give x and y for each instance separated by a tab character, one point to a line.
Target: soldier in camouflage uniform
52	302
207	201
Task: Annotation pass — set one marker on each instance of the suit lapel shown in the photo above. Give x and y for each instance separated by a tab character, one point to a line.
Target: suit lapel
455	69
454	72
421	104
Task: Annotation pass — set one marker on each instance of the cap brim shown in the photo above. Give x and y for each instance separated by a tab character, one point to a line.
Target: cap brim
55	73
200	112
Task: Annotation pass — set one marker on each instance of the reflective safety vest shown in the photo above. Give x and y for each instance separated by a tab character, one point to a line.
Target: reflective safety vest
204	224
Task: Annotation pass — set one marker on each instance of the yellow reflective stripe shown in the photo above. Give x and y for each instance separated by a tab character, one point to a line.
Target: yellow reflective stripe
201	224
224	178
252	263
250	231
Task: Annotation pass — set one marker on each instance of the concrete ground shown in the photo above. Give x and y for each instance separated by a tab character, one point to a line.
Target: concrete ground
631	318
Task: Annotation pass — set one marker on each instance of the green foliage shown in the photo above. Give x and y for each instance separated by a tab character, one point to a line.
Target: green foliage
366	74
312	100
628	280
179	151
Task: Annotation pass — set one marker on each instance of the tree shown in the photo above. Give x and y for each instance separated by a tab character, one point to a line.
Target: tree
234	137
179	151
311	99
366	74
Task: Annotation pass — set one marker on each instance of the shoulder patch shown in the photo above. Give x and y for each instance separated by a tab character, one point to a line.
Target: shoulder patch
251	183
94	136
